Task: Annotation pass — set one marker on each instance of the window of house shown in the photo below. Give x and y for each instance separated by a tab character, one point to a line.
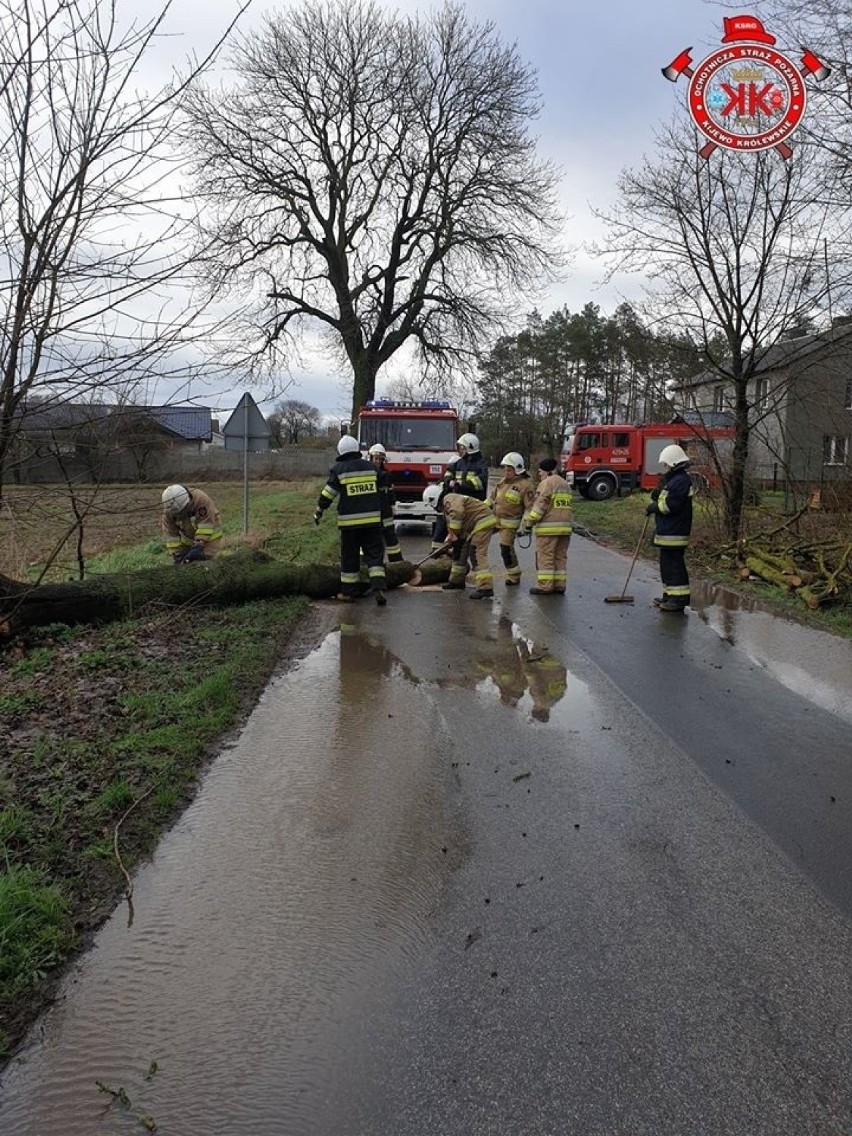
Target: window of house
835	449
719	398
761	394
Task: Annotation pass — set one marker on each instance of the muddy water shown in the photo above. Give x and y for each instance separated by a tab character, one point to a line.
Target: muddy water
815	664
289	896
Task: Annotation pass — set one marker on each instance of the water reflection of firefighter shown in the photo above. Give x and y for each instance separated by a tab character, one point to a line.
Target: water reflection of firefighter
506	669
548	681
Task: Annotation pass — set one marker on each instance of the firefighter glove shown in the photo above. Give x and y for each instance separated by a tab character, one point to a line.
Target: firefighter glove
179	555
195	553
651	509
655	494
317	516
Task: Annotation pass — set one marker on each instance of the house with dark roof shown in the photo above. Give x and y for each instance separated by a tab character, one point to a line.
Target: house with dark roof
800	407
56	440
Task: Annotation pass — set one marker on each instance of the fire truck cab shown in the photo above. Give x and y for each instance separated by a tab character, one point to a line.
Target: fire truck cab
420	440
610	458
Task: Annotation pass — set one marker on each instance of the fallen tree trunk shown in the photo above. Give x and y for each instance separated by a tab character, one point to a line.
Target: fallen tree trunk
217	583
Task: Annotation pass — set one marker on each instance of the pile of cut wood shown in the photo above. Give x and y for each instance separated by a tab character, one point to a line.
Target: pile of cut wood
819	572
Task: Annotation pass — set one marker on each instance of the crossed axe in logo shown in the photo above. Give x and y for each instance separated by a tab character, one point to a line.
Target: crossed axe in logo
682	65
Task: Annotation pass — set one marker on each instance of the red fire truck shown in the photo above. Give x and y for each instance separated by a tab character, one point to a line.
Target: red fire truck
420	439
606	459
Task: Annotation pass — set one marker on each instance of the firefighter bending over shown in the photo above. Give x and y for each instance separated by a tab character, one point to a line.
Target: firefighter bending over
190	524
353	483
671	508
550	515
470	525
378	456
512	497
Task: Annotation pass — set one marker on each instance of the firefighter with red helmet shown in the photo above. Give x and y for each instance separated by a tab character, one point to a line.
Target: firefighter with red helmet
353	484
191	524
512	497
470	526
671	508
550	516
378	456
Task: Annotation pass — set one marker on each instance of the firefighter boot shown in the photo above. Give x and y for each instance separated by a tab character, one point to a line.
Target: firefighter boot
453	586
672	605
481	594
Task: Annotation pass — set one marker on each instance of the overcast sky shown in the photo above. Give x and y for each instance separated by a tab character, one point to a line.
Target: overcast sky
598	65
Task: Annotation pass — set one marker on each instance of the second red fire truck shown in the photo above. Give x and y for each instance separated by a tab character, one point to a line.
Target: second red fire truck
605	459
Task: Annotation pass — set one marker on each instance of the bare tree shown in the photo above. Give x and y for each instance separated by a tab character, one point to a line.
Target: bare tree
374	174
292	420
735	250
94	228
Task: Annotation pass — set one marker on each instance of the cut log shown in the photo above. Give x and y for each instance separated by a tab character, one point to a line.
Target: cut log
768	572
217	583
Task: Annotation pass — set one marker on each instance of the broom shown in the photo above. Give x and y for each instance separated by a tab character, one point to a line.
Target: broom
625	598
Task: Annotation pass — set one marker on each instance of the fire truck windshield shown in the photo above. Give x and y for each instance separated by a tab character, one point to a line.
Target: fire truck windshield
399	433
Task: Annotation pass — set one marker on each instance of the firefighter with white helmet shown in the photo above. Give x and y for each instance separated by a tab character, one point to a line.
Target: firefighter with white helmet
378	455
353	484
671	508
512	497
191	524
468	474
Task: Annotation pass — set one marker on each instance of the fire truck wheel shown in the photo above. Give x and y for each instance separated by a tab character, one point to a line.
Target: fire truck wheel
601	488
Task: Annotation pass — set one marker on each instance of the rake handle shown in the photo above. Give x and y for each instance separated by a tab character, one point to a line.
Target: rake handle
635	556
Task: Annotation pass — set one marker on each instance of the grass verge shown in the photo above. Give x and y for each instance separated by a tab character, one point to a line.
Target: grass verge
105	731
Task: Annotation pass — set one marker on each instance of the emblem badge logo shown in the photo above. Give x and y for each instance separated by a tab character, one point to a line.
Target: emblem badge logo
746	95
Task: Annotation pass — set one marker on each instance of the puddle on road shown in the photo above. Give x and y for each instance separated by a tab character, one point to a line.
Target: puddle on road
814	664
277	912
517	671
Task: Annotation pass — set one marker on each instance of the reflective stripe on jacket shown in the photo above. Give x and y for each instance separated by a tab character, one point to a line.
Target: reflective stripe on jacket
353	483
471	472
511	499
551	509
673	510
466	516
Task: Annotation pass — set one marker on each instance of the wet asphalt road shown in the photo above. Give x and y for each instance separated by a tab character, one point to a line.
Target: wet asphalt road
529	868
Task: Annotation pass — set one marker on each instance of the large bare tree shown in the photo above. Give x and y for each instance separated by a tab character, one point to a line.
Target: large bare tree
374	174
737	251
94	228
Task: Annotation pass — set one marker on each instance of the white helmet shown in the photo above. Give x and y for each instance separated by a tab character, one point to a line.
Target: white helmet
431	494
378	448
470	443
673	455
348	445
175	499
514	461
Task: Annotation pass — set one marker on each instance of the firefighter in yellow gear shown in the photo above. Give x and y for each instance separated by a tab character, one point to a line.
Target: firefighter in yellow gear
191	524
550	517
512	497
470	527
